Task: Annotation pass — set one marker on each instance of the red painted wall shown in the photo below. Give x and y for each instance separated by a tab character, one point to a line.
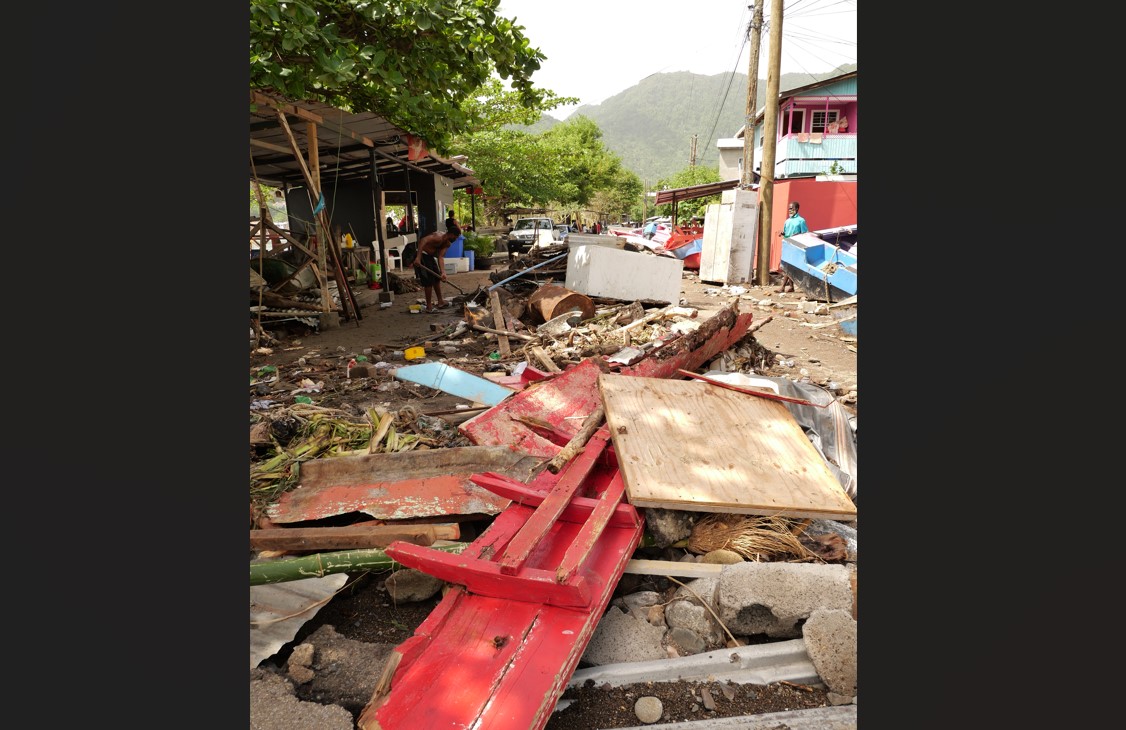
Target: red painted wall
823	205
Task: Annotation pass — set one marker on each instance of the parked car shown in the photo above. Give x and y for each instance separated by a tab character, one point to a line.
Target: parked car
530	232
561	232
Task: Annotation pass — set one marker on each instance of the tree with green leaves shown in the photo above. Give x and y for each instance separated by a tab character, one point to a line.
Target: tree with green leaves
419	63
620	197
562	168
686	178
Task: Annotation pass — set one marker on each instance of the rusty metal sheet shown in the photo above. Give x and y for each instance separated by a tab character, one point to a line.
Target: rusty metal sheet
405	485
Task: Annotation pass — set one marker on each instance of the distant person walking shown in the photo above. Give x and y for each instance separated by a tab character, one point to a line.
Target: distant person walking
793	225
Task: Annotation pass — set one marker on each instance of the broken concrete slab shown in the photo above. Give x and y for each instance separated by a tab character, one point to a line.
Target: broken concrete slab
772	598
274	706
622	638
344	669
830	639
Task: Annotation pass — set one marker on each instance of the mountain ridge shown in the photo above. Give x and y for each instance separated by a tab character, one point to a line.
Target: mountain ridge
651	124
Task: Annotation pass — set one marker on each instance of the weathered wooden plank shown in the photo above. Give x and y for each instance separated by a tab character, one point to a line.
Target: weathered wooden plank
689	445
673	567
545	359
499	323
350	537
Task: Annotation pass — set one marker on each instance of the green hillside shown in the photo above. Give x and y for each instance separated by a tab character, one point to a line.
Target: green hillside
650	125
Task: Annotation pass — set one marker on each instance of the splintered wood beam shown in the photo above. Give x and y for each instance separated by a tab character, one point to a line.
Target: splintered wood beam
578	441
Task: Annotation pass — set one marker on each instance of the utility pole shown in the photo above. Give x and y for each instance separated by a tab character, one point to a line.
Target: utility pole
692	159
752	98
769	140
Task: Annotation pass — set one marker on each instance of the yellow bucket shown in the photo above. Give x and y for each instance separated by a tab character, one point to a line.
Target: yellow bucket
414	353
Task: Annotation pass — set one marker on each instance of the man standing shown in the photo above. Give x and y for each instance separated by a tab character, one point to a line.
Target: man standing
429	264
792	226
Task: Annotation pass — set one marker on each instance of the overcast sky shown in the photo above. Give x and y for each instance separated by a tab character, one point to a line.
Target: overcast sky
598	48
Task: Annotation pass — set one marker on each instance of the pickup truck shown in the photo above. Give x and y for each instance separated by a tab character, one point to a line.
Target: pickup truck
530	232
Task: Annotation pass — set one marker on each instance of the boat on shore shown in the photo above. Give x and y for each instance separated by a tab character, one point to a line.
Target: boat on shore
822	264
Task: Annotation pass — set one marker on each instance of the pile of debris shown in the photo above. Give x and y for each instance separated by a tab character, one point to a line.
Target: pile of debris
589	449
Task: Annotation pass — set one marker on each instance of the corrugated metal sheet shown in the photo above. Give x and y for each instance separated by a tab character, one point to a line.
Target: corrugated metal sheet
344	141
696	191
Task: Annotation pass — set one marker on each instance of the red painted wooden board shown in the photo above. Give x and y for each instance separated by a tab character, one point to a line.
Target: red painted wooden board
490	663
562	402
498	654
501	661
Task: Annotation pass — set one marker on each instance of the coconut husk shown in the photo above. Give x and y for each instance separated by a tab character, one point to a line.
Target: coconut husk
759	539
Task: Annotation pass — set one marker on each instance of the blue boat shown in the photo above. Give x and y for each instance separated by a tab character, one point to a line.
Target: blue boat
822	264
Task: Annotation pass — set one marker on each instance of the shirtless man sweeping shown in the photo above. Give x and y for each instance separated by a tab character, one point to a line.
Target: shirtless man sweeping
429	264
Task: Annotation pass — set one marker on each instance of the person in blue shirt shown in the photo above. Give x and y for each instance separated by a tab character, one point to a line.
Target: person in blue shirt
792	226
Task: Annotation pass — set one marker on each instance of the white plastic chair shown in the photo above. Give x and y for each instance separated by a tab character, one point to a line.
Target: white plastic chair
394	259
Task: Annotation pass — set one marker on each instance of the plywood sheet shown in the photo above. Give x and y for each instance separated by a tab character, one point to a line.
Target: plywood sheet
689	445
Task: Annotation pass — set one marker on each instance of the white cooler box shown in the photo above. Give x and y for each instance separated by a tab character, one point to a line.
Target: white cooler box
456	266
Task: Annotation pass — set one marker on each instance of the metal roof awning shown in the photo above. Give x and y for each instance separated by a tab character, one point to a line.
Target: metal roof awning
692	192
344	141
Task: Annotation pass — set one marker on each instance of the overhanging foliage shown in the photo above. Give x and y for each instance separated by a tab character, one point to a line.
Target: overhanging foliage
415	62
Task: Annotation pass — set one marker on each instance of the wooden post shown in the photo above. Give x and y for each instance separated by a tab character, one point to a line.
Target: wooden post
752	100
346	299
314	179
769	143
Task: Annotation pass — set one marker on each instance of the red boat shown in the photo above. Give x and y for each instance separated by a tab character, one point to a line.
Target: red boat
686	243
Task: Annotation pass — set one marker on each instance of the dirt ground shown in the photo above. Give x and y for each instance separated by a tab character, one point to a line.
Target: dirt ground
789	343
801	343
362	611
